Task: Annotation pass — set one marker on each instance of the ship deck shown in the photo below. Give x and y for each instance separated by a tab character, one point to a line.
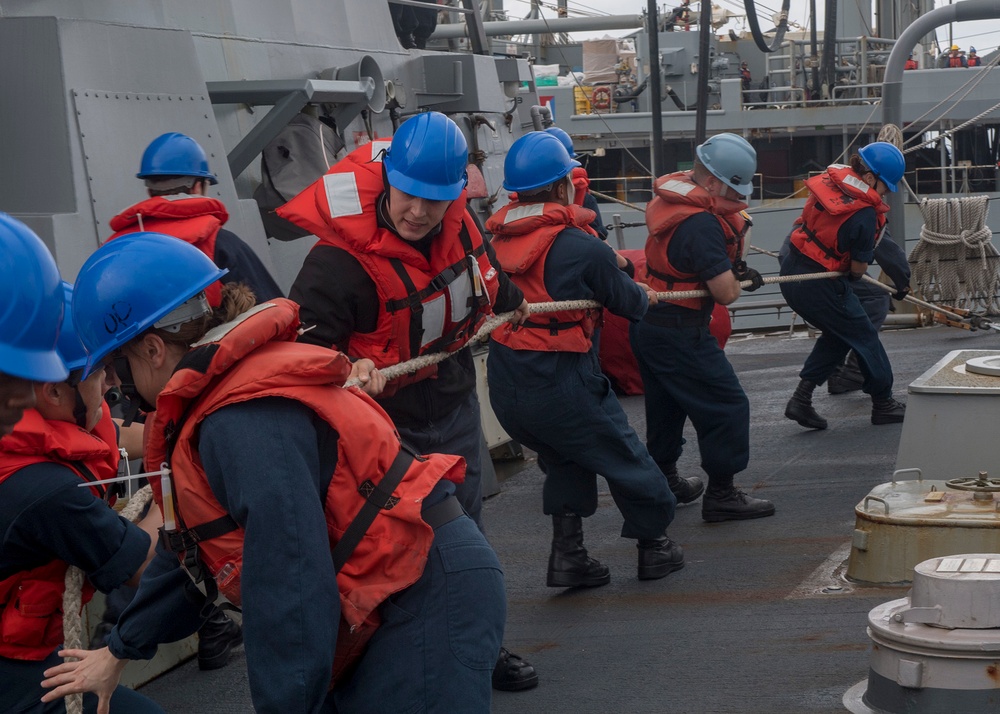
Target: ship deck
759	620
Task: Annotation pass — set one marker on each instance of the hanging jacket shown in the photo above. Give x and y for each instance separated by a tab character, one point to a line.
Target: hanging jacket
523	234
677	198
426	305
834	197
31	616
195	219
256	357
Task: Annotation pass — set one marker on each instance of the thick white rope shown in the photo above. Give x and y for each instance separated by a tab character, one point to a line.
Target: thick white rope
417	363
73	595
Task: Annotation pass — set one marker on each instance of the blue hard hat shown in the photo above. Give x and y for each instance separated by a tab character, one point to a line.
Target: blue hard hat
535	160
72	351
31	305
428	158
885	161
565	138
972	49
175	154
731	159
130	283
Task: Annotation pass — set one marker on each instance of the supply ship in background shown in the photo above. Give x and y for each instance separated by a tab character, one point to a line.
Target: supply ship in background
768	616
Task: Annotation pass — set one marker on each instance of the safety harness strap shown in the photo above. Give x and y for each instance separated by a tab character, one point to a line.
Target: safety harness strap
377	497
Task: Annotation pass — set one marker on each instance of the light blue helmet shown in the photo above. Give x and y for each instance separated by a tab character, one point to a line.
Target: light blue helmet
731	159
428	158
885	161
31	305
536	160
136	282
175	154
566	139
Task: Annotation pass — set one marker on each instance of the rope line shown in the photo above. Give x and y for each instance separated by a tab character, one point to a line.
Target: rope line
417	363
73	596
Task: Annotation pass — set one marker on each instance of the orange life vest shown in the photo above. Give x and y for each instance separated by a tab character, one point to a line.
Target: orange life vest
676	198
974	61
834	197
426	305
581	182
910	64
256	357
195	219
31	616
523	234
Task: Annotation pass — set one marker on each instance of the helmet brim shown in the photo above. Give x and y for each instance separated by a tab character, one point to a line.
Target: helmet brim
34	365
420	189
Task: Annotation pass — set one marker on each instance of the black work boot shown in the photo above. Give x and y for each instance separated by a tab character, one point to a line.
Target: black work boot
732	504
847	378
887	411
513	674
569	564
800	407
687	488
216	640
658	557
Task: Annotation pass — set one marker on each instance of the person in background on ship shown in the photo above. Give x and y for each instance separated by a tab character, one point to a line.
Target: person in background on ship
696	238
581	183
175	170
32	298
414	277
910	63
956	58
48	523
546	385
841	224
346	550
973	60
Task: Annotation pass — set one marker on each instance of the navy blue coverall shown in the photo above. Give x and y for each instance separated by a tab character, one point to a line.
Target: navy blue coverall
833	307
437	644
561	405
684	371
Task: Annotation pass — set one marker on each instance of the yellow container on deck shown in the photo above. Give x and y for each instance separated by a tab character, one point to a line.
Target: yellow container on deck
582	95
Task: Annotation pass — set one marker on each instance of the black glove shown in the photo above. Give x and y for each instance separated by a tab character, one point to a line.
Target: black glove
901	293
742	273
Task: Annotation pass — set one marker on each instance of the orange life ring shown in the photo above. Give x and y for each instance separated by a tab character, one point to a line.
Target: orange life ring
601	98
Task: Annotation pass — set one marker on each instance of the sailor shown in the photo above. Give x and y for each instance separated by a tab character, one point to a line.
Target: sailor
176	173
546	384
842	222
335	537
581	183
48	523
876	303
956	58
414	277
32	300
973	60
696	233
910	63
745	76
